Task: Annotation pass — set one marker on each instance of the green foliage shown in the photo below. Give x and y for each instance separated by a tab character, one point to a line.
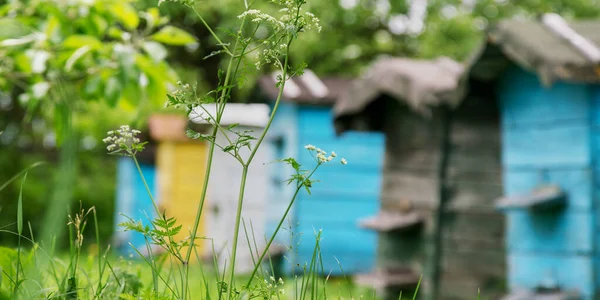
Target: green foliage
107	49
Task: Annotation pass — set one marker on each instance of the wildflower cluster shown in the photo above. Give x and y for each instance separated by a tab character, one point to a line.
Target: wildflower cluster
124	141
183	96
322	156
284	29
272	287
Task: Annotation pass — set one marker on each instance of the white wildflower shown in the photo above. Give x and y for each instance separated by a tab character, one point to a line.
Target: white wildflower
281	291
330	158
310	147
321	158
280	280
333	154
272	278
123	140
344	161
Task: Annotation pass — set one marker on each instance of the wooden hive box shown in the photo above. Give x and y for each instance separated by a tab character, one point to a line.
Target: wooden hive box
133	201
180	167
223	190
345	193
548	94
441	175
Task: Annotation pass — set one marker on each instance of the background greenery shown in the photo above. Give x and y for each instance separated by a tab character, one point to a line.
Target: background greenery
354	33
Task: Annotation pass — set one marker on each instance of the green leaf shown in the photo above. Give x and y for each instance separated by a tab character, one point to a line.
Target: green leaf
79	40
155	50
232	126
93	86
20	207
112	91
100	24
11	28
171	35
77	54
126	14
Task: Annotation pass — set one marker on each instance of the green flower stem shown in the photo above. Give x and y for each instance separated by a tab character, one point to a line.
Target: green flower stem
171	242
137	165
236	229
221	101
279	95
211	31
285	214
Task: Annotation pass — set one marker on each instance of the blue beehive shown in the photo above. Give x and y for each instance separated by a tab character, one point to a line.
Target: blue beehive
132	200
548	95
345	193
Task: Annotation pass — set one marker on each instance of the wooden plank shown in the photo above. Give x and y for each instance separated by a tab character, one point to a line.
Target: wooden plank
392	222
547	147
418	188
458	288
528	270
524	101
576	182
481	243
470	133
403	278
465	262
318	212
542	197
478	196
475	166
550	232
474	225
345	182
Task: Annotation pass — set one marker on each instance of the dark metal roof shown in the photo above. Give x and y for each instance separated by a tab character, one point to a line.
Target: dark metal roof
536	46
304	89
419	84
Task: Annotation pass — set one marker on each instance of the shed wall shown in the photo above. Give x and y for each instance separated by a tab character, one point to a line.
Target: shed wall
472	255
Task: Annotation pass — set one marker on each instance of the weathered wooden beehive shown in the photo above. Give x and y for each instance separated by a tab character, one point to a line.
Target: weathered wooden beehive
441	175
180	170
224	183
546	82
345	193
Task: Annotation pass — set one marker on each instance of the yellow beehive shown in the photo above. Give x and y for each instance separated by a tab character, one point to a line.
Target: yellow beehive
181	165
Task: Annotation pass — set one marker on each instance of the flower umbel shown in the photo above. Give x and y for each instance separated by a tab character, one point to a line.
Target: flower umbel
124	141
321	155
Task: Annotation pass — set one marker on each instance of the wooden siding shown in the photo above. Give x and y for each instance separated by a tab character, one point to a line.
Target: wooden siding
181	167
134	202
344	195
472	230
548	139
223	198
282	142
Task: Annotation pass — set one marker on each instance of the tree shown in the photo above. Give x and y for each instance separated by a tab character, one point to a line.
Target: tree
58	55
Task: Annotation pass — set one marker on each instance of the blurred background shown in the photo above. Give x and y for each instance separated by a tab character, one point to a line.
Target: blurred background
354	33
